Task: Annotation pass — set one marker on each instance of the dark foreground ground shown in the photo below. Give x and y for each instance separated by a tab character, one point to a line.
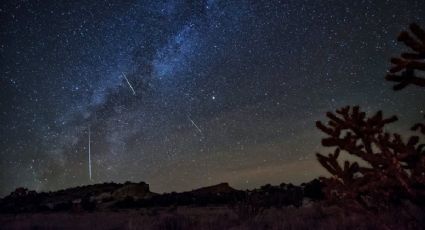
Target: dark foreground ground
309	216
134	206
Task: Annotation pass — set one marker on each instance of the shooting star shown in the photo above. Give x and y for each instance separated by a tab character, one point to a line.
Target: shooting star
200	131
89	154
129	84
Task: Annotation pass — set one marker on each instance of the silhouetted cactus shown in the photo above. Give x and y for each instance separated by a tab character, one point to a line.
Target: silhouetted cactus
419	127
395	168
408	63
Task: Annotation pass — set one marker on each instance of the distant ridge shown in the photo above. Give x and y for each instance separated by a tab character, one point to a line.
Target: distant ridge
221	188
112	196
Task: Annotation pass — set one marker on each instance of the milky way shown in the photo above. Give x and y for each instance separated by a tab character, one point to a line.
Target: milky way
183	94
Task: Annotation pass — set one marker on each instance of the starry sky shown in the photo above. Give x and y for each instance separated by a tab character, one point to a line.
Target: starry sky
184	94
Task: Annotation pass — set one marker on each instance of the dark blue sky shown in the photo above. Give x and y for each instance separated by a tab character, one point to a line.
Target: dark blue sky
223	90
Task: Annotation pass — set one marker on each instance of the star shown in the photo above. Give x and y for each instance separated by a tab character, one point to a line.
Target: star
169	87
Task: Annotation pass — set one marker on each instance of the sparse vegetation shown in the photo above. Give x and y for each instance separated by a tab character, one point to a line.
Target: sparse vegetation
408	64
383	189
394	167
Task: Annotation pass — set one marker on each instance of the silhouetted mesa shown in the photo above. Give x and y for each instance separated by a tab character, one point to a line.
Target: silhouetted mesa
109	196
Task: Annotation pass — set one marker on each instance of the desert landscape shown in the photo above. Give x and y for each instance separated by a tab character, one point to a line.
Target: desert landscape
133	206
175	115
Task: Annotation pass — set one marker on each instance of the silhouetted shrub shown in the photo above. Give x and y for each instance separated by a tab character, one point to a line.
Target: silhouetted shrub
313	190
88	204
394	168
410	62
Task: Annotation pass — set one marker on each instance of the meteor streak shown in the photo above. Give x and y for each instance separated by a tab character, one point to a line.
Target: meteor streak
200	131
89	154
128	82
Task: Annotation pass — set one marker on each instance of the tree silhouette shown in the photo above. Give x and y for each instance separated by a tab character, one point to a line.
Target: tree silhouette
391	168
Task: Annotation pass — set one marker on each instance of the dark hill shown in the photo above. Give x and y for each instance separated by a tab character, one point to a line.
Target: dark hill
137	195
222	188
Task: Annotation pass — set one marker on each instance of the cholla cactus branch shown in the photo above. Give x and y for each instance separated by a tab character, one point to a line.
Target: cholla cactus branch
410	62
395	168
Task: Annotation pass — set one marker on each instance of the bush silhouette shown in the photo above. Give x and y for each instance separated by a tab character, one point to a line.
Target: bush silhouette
392	168
410	62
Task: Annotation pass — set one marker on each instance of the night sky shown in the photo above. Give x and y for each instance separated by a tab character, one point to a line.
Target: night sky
184	94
